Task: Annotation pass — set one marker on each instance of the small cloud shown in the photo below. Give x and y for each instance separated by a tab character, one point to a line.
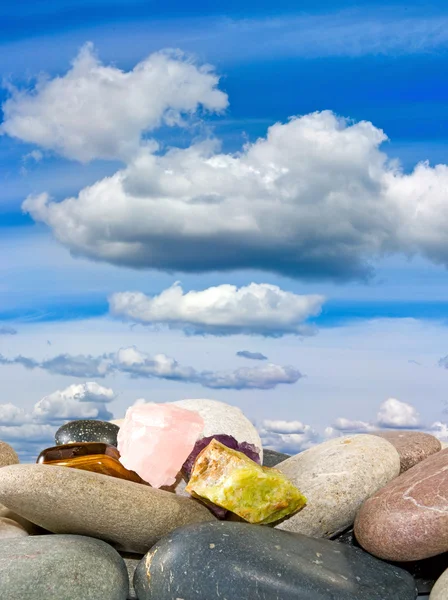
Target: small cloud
29	432
396	414
255	309
290	437
346	426
35	155
251	355
443	362
5	330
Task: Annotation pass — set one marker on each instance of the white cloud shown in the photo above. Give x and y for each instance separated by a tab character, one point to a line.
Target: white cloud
78	401
439	430
396	414
290	437
315	198
348	426
98	111
261	309
29	432
138	364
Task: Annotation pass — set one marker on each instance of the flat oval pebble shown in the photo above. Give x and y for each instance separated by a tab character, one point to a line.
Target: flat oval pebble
336	477
236	561
440	589
61	567
408	519
85	430
11	529
129	515
272	457
412	446
8	456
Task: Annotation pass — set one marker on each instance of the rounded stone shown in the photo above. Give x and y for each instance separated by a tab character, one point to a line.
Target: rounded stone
336	477
85	430
61	567
8	456
412	446
220	417
241	561
131	516
11	529
408	518
440	589
29	527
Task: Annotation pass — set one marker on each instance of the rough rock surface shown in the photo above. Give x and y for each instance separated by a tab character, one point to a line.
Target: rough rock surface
336	477
236	561
412	446
440	589
408	518
129	515
61	567
11	529
8	456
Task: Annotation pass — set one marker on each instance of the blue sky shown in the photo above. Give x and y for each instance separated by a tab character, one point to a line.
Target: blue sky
355	247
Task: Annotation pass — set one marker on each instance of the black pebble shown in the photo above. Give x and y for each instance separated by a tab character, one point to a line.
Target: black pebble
87	431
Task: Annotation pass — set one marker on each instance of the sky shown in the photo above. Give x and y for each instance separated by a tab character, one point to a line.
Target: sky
241	202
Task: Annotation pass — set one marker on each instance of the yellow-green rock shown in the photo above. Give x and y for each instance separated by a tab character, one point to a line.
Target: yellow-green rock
233	481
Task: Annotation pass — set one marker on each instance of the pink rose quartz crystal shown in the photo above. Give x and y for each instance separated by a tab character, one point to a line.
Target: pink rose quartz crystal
156	439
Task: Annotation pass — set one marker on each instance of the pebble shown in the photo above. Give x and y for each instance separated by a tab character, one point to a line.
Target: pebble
234	561
8	456
440	590
31	528
336	477
412	446
61	567
425	572
272	457
11	529
408	519
85	430
129	515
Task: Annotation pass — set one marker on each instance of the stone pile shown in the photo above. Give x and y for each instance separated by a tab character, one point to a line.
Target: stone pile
106	513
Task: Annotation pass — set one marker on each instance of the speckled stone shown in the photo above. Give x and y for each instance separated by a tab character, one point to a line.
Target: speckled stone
129	515
87	431
412	446
213	561
336	477
440	589
272	457
61	567
408	518
11	529
8	456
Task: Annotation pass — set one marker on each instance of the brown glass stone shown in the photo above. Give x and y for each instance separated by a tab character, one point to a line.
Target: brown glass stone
76	450
99	463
